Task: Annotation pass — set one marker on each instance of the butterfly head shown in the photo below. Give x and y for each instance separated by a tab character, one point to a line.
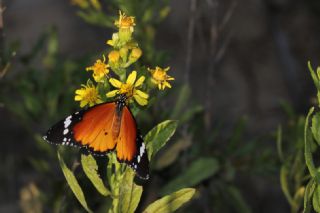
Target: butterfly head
121	100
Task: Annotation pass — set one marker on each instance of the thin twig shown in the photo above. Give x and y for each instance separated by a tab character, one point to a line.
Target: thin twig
1	34
212	65
227	16
3	66
193	7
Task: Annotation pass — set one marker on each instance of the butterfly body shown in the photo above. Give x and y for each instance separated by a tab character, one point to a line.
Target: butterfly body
104	128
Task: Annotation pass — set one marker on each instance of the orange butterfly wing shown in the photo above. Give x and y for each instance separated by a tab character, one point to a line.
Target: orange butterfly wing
95	128
126	143
130	146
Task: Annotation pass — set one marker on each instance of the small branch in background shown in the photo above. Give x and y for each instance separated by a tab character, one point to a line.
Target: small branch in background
228	15
285	56
193	7
217	49
3	65
211	61
2	9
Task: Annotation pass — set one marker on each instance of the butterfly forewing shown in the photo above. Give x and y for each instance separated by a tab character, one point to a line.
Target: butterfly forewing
62	132
95	129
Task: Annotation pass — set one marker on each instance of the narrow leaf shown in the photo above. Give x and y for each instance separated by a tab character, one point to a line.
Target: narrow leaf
183	98
315	127
279	143
316	199
284	183
130	193
237	200
307	151
171	202
159	136
90	168
172	153
198	171
314	76
307	196
73	183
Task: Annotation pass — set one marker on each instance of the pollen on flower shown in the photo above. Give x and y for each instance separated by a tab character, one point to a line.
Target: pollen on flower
125	22
100	70
130	88
87	95
160	77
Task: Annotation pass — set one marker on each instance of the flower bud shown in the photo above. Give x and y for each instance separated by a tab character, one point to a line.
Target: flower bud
114	56
135	55
124	53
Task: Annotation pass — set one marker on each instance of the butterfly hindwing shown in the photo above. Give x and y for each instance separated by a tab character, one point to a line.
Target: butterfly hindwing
130	146
140	162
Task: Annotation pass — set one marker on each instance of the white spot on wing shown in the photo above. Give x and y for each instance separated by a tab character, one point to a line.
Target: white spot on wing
142	148
64	139
65	131
67	121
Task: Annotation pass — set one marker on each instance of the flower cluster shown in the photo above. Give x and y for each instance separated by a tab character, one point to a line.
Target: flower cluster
111	76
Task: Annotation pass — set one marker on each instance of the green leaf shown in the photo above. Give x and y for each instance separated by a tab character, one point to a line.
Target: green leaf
314	76
190	113
284	183
171	202
130	193
198	171
297	199
315	127
164	12
172	153
308	149
279	143
316	199
237	200
73	183
307	196
183	97
159	136
90	168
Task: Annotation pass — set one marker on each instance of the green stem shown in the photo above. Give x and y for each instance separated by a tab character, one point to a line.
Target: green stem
115	185
307	152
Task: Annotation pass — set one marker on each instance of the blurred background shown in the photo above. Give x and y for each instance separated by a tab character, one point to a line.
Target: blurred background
241	73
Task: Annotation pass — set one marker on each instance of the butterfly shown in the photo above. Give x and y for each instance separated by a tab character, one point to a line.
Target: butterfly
103	128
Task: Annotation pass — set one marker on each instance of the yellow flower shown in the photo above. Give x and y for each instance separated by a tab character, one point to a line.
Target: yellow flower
160	77
126	27
100	70
130	88
87	95
125	22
